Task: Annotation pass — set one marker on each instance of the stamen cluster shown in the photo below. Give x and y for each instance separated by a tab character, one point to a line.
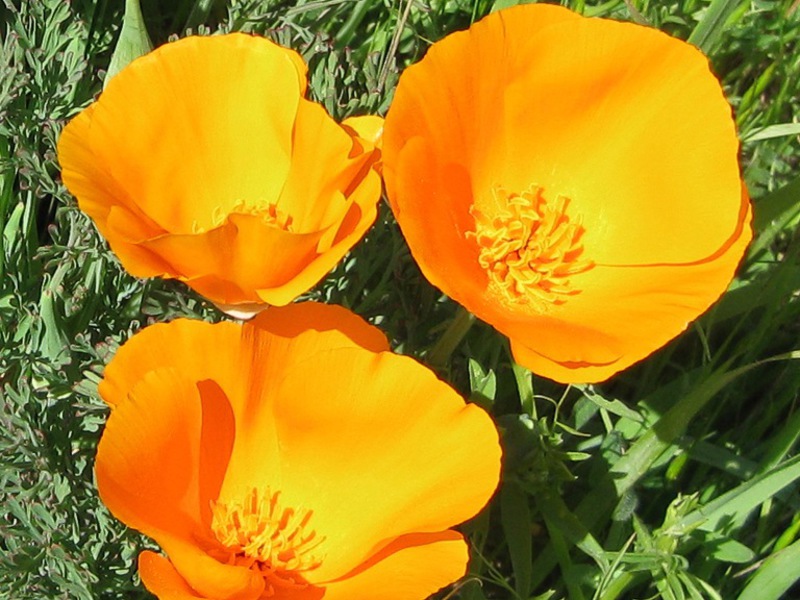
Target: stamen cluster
258	533
530	247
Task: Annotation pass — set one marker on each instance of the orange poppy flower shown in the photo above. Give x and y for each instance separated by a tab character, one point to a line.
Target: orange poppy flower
292	457
572	181
202	161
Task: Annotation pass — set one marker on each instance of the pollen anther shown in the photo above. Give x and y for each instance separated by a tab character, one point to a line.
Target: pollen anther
258	533
530	247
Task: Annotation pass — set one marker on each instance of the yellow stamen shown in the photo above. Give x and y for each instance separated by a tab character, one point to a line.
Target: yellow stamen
258	533
530	247
269	212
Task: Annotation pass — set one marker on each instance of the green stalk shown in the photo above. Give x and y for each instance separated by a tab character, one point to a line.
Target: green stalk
451	338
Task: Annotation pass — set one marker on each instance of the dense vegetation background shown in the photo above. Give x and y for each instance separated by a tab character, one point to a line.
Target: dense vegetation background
677	479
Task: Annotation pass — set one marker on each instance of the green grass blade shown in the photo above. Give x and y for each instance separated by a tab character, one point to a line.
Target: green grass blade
710	27
733	506
557	514
773	131
515	516
773	213
775	576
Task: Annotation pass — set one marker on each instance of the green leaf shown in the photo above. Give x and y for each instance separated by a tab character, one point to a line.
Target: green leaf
557	514
515	517
623	475
524	379
773	213
615	407
482	384
711	25
133	40
736	504
772	131
727	550
501	4
776	575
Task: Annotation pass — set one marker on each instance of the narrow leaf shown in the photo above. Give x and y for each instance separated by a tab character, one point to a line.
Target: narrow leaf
133	40
776	575
515	516
773	131
710	27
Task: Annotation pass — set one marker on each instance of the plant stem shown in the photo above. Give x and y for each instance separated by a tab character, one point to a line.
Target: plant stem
451	338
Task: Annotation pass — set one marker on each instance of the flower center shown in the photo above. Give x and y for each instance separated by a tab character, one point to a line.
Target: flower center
530	247
258	533
269	212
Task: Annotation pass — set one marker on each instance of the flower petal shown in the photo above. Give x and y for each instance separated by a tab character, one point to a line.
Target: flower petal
185	345
333	245
369	128
323	167
202	161
367	443
161	579
188	131
624	128
302	324
245	250
103	199
208	576
411	568
633	309
633	127
431	202
159	465
232	355
163	454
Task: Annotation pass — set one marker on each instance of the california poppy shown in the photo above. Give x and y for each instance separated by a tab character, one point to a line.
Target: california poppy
292	457
203	161
572	181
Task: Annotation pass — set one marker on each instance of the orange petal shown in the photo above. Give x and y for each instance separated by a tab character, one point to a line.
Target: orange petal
336	241
276	339
81	172
161	579
302	323
321	170
369	128
217	433
159	465
123	230
244	250
231	354
636	309
151	452
188	130
183	344
191	148
431	202
367	443
104	200
454	97
632	126
411	568
208	576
